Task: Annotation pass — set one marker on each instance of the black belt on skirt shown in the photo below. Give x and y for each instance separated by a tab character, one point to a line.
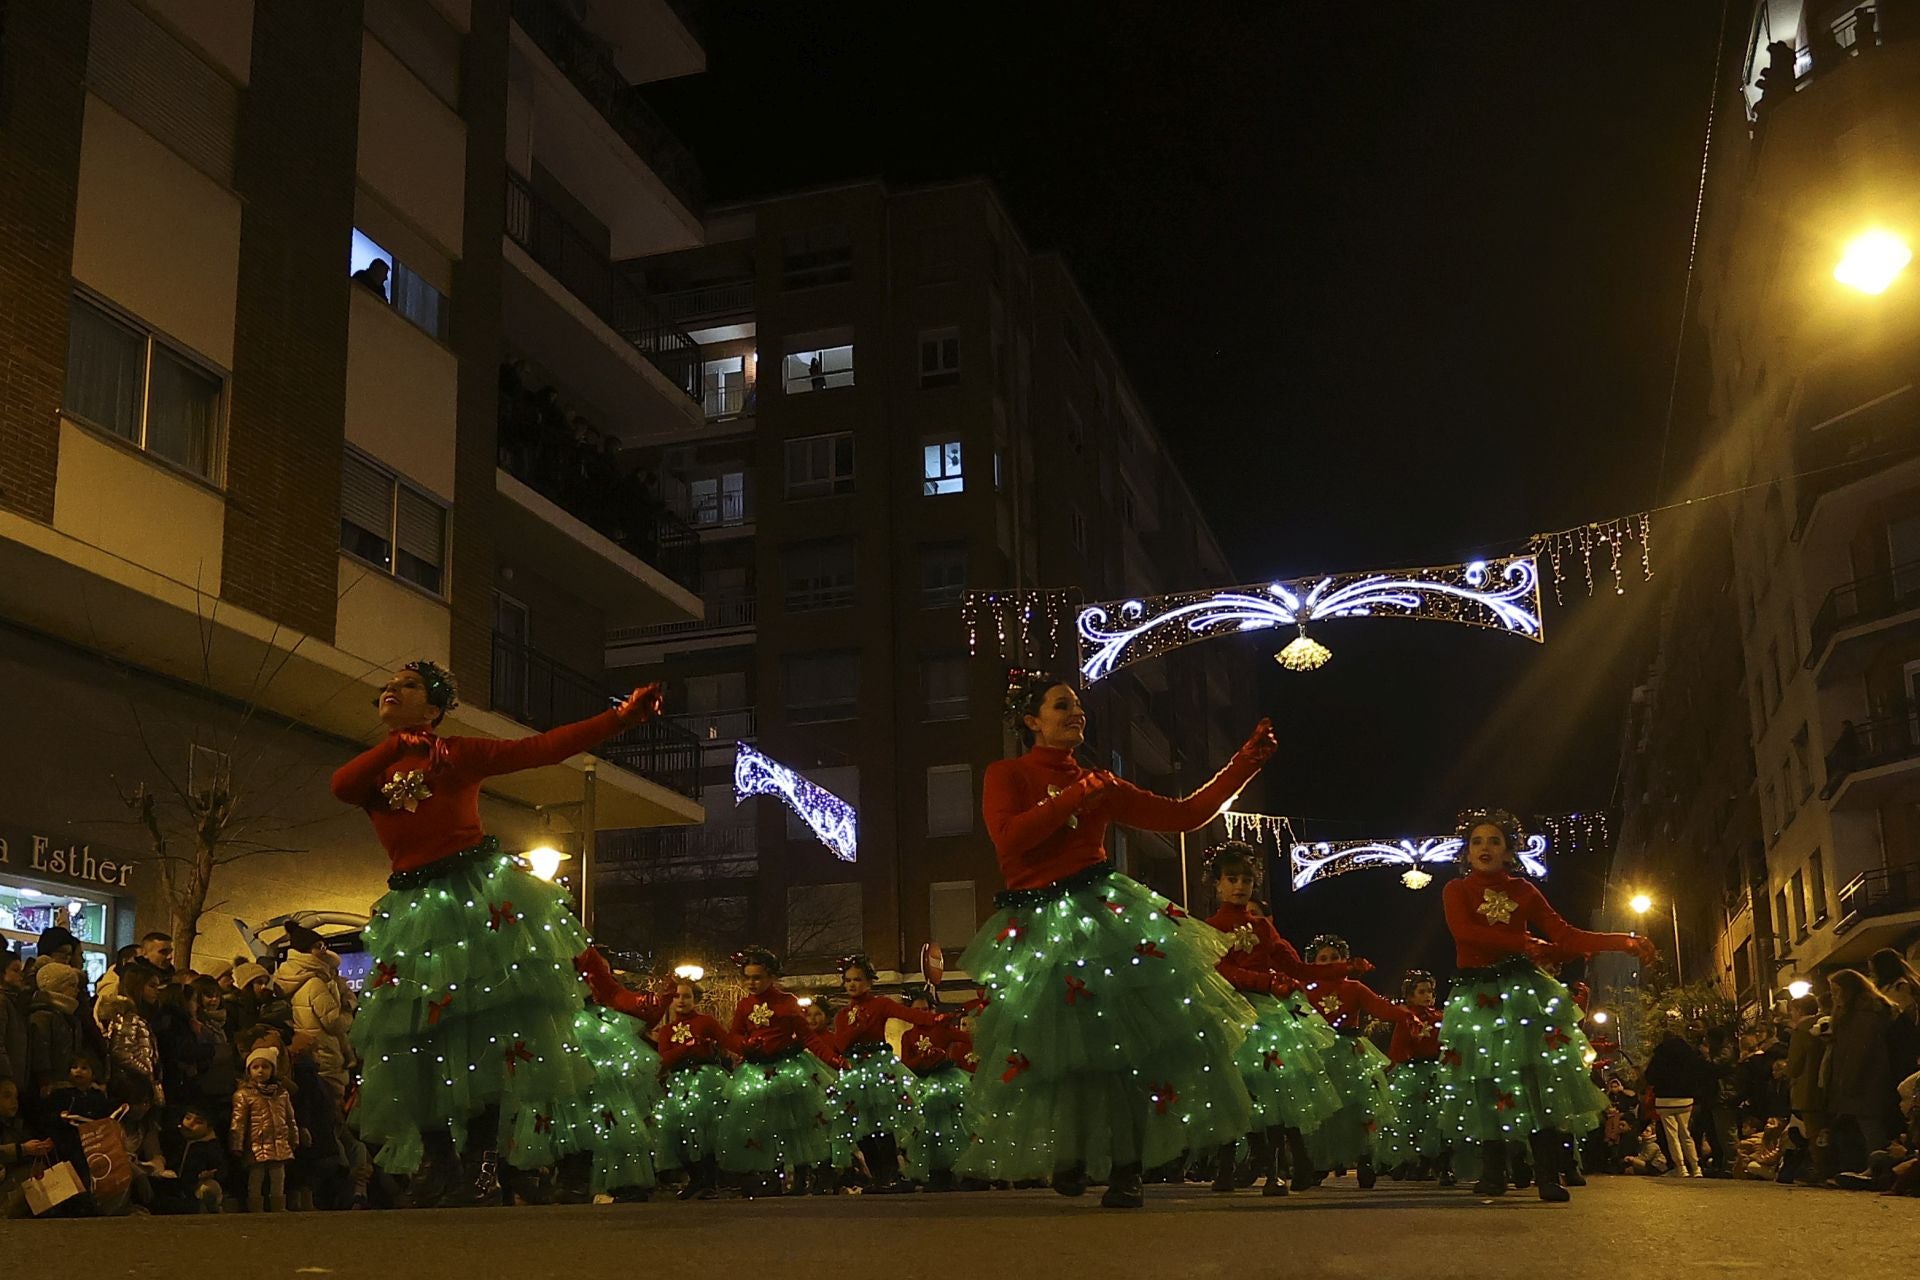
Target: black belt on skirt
1355	1032
440	868
855	1052
790	1051
1060	888
1494	972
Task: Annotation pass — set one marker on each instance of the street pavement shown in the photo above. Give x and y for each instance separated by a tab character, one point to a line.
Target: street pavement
1617	1227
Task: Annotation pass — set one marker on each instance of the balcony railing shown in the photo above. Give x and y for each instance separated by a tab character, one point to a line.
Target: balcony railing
724	613
1864	600
587	61
721	727
577	263
662	854
1883	740
709	302
726	399
1879	893
550	450
538	690
715	510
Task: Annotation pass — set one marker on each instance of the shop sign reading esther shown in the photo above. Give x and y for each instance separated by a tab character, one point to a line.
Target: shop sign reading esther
44	857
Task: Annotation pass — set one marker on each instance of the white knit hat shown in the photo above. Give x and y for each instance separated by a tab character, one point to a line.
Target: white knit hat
265	1053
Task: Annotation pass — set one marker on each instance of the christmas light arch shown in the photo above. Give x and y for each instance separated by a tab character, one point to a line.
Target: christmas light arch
829	817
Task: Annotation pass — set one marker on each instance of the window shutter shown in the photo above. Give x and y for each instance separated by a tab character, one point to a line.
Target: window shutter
366	498
423	528
163	86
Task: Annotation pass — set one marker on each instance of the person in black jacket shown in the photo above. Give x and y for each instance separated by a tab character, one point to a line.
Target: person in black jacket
1716	1121
1675	1071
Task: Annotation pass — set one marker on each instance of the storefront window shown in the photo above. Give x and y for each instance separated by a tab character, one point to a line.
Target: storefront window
26	911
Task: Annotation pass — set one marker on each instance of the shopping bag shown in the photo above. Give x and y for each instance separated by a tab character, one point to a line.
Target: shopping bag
48	1191
109	1166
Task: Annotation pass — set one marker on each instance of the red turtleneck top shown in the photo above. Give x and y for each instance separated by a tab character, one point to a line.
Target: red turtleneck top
768	1024
1348	1005
863	1020
648	1006
1028	801
1489	914
690	1042
924	1049
1272	965
1416	1033
448	821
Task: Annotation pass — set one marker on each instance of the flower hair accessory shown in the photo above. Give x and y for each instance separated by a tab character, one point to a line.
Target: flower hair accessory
757	955
442	692
1330	941
1228	852
1413	978
857	960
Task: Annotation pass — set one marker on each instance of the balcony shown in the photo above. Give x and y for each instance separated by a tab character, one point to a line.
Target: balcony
721	728
1886	892
665	855
719	509
730	620
728	399
538	691
588	62
1873	759
710	305
1870	606
580	267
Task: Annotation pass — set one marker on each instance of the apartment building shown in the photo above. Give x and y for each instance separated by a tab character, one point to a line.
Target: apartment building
309	331
902	401
1817	422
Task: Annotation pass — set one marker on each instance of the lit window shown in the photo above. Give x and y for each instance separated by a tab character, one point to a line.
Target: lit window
941	470
398	285
125	380
818	369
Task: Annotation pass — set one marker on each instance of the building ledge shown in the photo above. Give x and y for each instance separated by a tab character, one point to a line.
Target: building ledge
92	598
632	592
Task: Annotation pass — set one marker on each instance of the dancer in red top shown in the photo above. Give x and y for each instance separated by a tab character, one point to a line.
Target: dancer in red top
1281	1060
1356	1067
1080	1080
878	1097
687	1126
1415	1143
474	1020
937	1055
1510	1044
776	1112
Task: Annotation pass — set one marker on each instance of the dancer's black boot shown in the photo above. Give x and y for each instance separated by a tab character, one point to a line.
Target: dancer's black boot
1223	1166
1546	1167
1493	1170
1123	1188
1272	1147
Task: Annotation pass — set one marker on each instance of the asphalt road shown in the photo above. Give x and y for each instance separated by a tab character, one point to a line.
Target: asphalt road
1616	1227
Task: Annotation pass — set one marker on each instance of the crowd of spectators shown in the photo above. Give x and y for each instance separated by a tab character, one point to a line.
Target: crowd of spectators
557	452
225	1089
1825	1096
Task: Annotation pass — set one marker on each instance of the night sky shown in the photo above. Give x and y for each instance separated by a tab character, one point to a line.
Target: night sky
1401	283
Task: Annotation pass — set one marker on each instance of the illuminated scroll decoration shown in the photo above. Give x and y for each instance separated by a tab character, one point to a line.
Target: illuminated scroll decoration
827	815
1331	858
1499	595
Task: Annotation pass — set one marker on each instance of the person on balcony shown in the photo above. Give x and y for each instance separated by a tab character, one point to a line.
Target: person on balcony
474	1026
373	277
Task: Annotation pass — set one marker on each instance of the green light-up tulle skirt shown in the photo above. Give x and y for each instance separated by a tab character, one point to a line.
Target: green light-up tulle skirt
1108	1038
686	1124
875	1095
1358	1072
1514	1060
474	1003
1415	1133
942	1134
777	1116
1281	1064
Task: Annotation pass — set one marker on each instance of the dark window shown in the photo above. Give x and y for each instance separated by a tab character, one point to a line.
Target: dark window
943	575
126	381
821	255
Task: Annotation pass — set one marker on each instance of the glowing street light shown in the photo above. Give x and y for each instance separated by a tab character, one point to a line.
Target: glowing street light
1600	1017
805	1002
1640	903
689	972
1872	261
545	861
1799	987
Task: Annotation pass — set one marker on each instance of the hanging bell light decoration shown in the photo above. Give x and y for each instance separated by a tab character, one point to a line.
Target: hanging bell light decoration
1415	878
1303	653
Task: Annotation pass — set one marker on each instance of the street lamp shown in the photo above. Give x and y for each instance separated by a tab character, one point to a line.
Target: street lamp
1600	1017
1799	987
689	972
1641	904
545	861
1872	261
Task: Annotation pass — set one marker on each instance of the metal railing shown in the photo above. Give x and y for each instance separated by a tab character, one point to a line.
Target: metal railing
724	613
711	727
588	62
708	301
660	854
1868	599
719	511
725	399
539	691
1882	740
1879	893
580	265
